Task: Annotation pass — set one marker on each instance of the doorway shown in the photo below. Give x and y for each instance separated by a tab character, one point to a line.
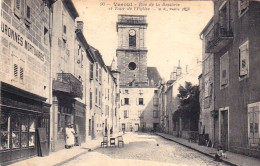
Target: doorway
224	128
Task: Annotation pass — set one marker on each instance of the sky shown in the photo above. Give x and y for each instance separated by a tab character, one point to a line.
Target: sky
171	35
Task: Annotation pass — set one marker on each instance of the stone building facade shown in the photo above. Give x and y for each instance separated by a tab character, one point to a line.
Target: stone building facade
235	48
208	114
25	87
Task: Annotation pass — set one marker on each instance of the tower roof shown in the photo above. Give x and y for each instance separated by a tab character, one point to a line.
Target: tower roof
113	65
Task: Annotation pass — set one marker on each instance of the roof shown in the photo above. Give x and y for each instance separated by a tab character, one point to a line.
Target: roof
84	42
72	10
205	28
153	74
97	56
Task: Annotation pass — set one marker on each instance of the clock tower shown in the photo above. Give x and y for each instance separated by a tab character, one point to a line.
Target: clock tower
132	52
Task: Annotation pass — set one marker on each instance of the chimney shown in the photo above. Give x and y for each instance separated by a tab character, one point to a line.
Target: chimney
80	25
179	70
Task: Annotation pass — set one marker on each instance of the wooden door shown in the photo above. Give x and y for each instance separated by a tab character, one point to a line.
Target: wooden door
224	129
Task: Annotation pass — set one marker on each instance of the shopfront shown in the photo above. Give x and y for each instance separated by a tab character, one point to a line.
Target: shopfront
21	113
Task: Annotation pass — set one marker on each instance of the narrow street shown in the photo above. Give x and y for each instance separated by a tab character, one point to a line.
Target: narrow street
142	149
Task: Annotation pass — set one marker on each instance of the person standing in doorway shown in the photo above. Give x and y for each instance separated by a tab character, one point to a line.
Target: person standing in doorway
70	140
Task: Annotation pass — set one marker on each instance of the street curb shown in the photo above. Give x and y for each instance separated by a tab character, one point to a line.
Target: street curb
227	162
72	158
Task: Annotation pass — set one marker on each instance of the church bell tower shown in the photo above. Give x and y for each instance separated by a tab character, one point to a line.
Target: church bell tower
132	52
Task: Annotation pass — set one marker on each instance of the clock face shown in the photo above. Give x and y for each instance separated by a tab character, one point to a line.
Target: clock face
131	32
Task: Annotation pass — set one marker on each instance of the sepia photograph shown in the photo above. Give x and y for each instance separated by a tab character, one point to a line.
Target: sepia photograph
130	83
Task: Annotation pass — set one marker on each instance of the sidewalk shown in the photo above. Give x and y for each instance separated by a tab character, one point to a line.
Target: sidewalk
232	158
62	156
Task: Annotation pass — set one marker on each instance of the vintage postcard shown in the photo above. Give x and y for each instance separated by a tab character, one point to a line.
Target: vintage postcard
129	82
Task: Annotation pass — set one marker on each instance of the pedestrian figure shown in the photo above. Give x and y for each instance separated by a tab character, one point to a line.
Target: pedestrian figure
70	136
106	131
219	153
111	130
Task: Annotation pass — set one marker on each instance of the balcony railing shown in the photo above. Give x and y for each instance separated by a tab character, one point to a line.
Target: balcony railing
68	83
217	38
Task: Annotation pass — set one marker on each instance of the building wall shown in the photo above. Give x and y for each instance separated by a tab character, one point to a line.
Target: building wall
240	91
29	51
138	114
207	89
24	78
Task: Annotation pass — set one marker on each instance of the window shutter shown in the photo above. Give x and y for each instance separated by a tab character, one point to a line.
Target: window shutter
21	70
18	8
27	13
244	59
224	69
16	66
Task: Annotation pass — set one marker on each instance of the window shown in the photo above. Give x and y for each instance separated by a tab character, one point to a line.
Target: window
18	69
28	12
126	91
224	70
15	125
125	114
24	132
18	8
244	59
155	101
4	131
155	91
96	96
242	7
15	71
253	123
100	76
64	26
46	36
206	90
90	100
126	101
141	101
32	132
155	114
97	71
91	73
99	94
132	66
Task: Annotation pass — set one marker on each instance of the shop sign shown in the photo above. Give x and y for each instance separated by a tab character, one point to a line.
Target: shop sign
21	40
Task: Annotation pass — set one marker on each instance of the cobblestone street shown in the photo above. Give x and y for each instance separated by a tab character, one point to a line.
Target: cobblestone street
142	149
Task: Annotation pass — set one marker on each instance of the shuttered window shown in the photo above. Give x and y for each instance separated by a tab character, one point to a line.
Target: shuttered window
224	70
243	6
90	100
18	8
244	59
96	96
15	71
91	71
253	123
27	12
